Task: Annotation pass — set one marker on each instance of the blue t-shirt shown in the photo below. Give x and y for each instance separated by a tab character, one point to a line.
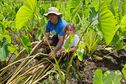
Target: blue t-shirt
56	29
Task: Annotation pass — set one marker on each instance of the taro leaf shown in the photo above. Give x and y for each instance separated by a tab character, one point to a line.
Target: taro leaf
113	77
98	77
95	4
108	2
124	71
25	13
92	40
68	42
106	23
80	55
8	38
1	16
12	49
39	34
124	6
117	42
26	43
80	50
115	7
3	50
71	7
123	23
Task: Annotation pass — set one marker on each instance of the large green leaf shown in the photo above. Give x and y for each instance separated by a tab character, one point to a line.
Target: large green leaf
26	43
79	54
95	4
123	23
80	51
98	77
112	77
68	42
107	23
124	71
124	6
25	13
108	2
71	8
108	77
12	49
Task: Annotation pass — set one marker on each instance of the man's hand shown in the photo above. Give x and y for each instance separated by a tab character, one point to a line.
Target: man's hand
46	41
73	49
51	54
58	53
46	38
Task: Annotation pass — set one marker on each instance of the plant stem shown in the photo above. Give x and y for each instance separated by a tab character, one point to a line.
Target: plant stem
84	32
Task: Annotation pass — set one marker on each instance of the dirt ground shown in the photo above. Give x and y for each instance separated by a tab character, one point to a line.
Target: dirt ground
104	59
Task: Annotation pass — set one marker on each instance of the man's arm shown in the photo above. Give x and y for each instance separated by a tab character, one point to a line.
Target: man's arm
46	37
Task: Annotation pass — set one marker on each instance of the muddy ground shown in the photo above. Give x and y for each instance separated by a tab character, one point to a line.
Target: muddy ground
106	59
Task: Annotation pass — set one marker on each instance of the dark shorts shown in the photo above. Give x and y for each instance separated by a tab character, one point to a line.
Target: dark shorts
54	40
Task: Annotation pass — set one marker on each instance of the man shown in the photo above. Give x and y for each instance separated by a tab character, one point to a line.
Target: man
54	28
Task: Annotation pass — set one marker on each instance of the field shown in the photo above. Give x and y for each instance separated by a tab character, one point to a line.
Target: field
100	24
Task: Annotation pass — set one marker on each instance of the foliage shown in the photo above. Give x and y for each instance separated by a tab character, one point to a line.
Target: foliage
25	13
123	23
124	71
98	77
3	50
26	43
68	42
79	54
105	17
112	77
91	40
118	9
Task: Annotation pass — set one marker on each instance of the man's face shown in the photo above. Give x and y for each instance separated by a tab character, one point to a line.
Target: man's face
53	18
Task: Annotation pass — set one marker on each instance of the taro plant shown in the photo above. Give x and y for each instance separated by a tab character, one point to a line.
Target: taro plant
110	77
81	51
124	71
26	43
25	13
68	43
91	40
6	27
6	23
118	8
3	49
99	26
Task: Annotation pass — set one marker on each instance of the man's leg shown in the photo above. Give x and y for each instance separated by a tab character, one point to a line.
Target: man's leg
54	40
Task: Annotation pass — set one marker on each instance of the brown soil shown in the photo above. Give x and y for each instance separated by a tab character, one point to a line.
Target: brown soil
106	59
103	59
